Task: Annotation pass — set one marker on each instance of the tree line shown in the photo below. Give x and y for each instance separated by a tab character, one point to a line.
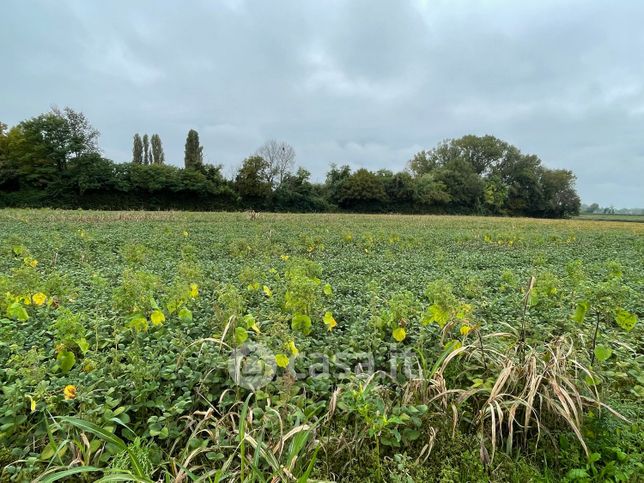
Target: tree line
53	160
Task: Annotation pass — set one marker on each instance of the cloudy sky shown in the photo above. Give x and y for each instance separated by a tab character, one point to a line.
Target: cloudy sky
362	82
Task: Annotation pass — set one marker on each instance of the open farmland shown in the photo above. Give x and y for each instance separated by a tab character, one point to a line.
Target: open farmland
182	346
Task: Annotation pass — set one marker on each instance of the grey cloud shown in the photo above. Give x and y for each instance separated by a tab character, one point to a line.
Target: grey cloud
362	82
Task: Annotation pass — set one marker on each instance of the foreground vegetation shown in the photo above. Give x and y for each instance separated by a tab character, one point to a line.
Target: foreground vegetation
217	347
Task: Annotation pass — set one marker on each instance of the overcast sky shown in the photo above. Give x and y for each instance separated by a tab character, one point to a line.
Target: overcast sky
361	82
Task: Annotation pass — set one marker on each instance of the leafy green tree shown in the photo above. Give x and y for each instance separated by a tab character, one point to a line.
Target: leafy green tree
252	182
83	138
158	156
462	183
297	193
146	149
335	180
363	190
400	189
429	192
193	158
495	194
137	150
423	162
560	198
521	174
38	150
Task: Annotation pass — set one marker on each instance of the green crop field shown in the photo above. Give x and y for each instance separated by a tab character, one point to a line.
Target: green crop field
164	346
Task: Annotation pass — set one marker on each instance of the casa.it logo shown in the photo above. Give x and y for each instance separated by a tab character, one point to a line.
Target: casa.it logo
252	366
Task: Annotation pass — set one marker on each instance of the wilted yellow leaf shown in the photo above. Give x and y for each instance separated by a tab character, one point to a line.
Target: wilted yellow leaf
69	392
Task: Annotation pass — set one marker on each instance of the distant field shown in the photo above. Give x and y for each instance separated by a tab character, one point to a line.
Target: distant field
628	218
175	346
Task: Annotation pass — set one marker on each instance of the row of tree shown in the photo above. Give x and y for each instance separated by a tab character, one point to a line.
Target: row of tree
147	150
54	160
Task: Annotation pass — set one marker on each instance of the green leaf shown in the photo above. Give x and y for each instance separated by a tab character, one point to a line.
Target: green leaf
625	319
577	474
241	335
399	334
185	314
603	353
96	431
328	290
251	323
302	323
138	323
438	315
66	360
410	435
83	345
17	311
580	311
59	475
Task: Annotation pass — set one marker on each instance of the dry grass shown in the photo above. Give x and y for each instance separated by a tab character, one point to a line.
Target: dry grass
533	393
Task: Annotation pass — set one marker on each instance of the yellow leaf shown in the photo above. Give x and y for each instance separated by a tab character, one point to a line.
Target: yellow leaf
294	350
39	298
33	403
194	290
465	329
157	317
399	334
69	392
281	360
267	291
330	321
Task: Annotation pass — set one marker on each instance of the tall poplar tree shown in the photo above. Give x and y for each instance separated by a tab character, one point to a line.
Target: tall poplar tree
194	152
137	150
158	157
146	149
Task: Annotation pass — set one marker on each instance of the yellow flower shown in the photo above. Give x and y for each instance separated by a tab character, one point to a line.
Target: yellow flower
284	257
465	329
185	233
194	290
69	392
39	298
26	300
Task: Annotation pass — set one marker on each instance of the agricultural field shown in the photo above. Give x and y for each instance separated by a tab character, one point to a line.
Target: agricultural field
145	346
